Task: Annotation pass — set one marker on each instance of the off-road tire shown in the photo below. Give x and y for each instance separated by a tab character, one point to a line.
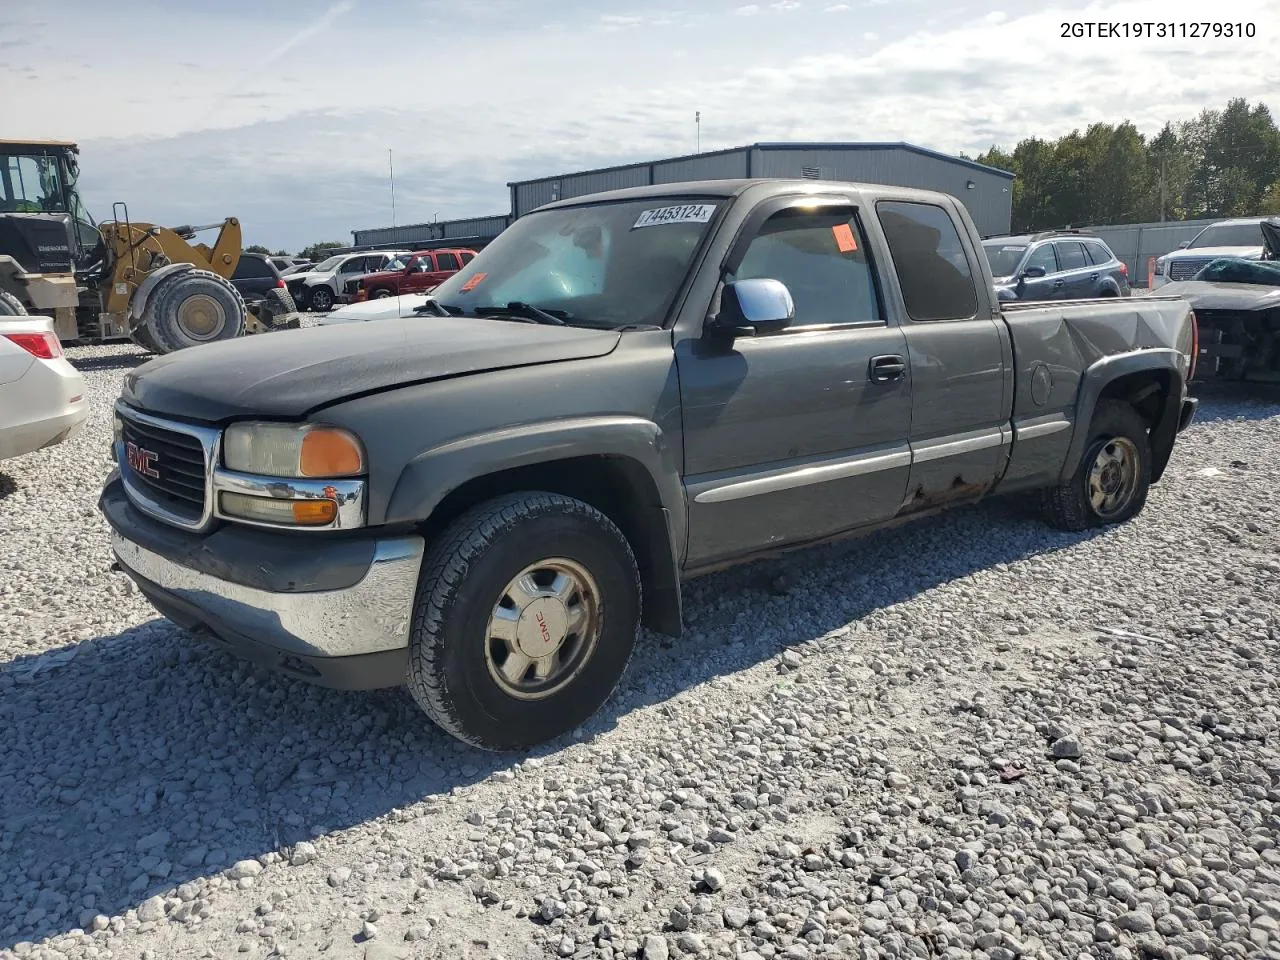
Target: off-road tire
277	303
327	298
161	314
463	576
11	306
1067	506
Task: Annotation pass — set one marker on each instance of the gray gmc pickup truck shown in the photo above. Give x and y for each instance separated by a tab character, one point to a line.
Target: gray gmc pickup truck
622	391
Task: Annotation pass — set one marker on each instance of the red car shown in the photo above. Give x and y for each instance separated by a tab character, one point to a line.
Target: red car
414	273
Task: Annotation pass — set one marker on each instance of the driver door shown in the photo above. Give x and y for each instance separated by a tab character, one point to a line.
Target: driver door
798	435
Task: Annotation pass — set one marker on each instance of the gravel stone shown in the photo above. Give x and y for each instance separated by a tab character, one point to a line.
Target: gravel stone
968	736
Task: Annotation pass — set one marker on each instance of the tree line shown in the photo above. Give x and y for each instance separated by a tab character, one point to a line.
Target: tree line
1224	163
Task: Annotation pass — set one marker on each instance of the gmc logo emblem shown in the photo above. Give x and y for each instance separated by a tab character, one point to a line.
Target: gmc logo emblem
140	460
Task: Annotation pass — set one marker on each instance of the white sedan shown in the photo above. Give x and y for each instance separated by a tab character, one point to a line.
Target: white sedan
42	397
383	309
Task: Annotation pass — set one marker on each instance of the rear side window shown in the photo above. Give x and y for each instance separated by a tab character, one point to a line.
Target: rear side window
1098	253
1071	255
447	261
822	259
937	281
251	268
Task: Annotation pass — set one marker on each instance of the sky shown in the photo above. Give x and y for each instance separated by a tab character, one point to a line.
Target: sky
282	112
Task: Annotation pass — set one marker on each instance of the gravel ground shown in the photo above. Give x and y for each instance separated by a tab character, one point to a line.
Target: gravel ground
972	737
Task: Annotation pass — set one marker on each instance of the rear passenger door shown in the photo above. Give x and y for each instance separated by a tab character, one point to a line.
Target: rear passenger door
1078	276
960	354
446	266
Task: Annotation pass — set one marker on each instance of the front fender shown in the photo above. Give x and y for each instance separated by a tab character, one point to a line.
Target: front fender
432	475
435	473
148	286
1094	381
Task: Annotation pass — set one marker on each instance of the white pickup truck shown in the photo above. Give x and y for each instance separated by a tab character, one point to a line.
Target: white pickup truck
1226	238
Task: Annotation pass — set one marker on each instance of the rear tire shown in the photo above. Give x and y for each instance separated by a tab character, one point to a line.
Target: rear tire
192	308
11	306
1112	481
525	620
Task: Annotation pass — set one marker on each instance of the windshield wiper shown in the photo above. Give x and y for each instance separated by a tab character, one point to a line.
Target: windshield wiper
433	306
526	311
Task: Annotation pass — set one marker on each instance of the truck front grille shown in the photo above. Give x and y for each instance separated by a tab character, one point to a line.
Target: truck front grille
1184	268
351	287
167	466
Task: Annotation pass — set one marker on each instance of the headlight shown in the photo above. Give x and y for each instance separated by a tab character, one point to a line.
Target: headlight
1160	267
292	450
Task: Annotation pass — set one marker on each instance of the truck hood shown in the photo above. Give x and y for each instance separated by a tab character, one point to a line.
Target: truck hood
1248	253
289	373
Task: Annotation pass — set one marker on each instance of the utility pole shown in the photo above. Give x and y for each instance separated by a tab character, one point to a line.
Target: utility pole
697	121
1162	186
392	168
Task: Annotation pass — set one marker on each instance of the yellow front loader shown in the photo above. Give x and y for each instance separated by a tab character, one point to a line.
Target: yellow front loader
166	292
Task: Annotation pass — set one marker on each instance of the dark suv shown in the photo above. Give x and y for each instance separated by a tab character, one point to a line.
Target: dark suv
262	287
1058	265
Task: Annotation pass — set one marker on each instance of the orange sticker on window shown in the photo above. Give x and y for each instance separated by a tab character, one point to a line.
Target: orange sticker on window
473	282
844	238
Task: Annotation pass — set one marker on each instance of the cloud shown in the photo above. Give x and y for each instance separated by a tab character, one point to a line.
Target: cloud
836	8
302	156
785	5
996	16
750	10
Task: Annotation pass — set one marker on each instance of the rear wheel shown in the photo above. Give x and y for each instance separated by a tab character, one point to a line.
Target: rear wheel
526	617
11	306
1111	483
192	308
321	298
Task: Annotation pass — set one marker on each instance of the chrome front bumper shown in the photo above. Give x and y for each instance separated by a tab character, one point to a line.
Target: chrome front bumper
372	616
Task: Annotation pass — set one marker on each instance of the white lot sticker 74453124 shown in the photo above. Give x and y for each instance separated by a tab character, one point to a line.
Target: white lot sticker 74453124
685	213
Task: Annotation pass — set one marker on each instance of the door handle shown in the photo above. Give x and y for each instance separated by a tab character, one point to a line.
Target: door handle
888	368
1093	276
1059	283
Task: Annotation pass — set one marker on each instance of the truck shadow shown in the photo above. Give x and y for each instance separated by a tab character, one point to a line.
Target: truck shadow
174	760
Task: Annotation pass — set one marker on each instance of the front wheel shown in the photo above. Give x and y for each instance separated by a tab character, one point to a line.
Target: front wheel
382	294
194	307
321	299
525	620
1111	483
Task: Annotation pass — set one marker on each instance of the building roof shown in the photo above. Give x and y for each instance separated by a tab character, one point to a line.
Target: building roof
900	145
36	143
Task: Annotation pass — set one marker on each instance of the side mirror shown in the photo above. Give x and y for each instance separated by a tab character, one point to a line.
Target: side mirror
1184	244
749	308
1033	273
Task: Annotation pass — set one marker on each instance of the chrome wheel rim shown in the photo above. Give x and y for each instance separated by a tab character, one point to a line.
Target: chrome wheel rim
543	629
1113	477
383	294
321	299
201	317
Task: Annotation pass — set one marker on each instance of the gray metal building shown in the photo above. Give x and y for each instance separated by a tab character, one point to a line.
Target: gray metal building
986	191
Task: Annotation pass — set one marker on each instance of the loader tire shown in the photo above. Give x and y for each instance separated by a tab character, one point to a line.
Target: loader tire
192	308
141	335
11	306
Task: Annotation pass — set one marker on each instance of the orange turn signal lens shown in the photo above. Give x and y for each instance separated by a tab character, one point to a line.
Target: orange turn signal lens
314	513
328	452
